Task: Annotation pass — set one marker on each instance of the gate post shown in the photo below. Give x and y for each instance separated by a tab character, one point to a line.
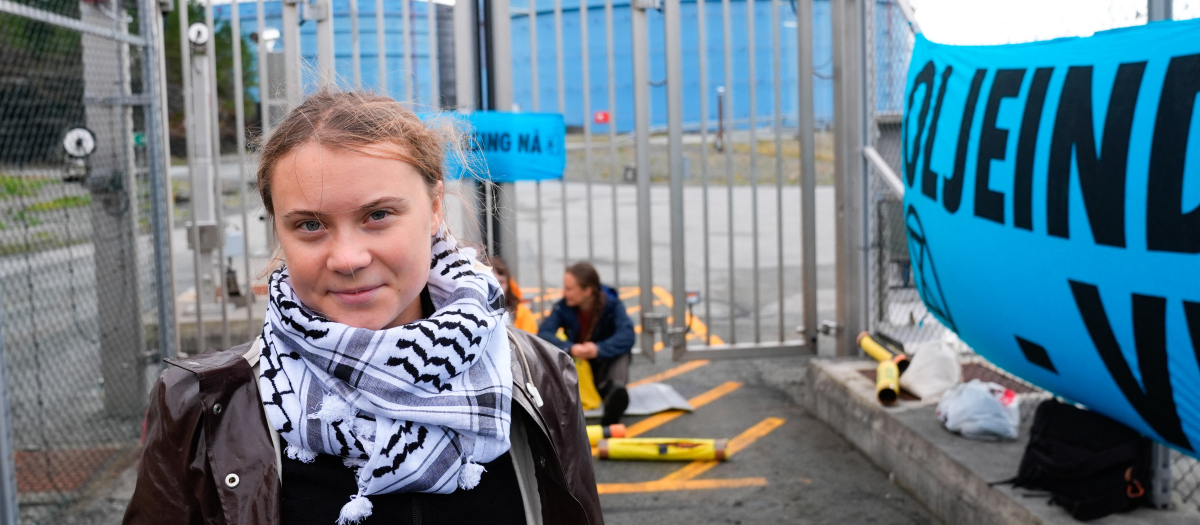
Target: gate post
641	111
8	460
114	217
157	158
849	107
671	20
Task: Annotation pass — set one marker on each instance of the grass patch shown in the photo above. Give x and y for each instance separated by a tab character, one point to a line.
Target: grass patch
69	201
40	241
11	186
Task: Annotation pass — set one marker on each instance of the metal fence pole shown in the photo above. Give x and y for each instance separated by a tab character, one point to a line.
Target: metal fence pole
355	47
672	21
849	138
213	106
610	61
1161	485
641	105
409	73
702	44
157	160
500	88
725	115
808	171
1157	10
323	13
8	460
239	103
291	52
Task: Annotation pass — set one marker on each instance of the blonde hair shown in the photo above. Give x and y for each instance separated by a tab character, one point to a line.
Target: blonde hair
356	121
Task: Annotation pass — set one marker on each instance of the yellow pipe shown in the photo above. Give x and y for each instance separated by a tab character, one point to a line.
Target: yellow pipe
597	432
663	449
887	382
881	354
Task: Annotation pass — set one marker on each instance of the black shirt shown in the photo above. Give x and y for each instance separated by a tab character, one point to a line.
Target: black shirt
314	493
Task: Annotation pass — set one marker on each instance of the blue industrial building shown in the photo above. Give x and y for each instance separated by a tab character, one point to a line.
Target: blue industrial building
891	48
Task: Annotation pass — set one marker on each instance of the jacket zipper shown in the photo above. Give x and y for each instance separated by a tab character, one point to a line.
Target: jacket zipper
416	509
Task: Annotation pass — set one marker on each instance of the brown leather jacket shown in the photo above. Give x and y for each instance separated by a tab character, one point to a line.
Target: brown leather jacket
210	456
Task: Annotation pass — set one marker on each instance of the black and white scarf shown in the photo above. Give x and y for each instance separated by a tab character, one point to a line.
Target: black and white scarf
413	408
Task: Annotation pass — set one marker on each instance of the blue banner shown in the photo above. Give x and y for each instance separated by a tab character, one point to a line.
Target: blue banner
1053	211
509	147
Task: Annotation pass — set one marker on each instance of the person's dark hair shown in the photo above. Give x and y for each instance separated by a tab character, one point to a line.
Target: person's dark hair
587	277
510	296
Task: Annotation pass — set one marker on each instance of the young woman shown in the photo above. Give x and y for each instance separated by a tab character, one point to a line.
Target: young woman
385	387
519	315
597	328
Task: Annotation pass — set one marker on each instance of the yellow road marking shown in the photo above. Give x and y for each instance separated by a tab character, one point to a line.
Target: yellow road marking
666	486
668	374
683	479
662	418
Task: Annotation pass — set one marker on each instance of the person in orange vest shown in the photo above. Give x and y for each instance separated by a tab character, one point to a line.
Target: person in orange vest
519	315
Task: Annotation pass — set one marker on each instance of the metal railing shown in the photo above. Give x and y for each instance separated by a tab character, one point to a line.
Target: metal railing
86	305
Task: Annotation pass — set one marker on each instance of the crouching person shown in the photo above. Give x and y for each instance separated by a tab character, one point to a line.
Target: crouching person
596	329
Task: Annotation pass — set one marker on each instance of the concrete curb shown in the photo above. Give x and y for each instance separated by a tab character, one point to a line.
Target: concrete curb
839	395
947	473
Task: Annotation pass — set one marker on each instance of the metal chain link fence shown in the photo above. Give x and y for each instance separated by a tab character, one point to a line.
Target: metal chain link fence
895	305
77	267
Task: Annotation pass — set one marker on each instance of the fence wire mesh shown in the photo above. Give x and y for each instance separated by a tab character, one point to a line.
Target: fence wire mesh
895	305
77	280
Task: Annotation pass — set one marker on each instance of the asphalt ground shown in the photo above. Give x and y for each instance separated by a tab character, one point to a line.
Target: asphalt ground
785	466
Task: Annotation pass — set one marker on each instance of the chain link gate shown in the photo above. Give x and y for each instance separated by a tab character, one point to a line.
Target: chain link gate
85	301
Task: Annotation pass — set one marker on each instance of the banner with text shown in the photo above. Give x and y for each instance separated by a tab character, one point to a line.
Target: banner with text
510	147
1053	212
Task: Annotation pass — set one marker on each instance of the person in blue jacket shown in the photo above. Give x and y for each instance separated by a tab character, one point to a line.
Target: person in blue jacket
597	328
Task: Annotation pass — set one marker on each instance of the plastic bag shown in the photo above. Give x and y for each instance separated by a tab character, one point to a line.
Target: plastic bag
932	369
980	410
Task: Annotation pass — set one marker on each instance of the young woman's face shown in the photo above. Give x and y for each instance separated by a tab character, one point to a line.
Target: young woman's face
573	294
355	231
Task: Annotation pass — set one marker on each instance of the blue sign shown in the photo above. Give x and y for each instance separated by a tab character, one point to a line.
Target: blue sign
1053	214
509	147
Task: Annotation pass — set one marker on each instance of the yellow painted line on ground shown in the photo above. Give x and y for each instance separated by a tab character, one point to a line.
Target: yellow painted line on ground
683	479
667	486
662	418
668	374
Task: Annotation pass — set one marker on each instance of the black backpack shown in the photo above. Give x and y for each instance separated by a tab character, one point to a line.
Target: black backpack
1092	466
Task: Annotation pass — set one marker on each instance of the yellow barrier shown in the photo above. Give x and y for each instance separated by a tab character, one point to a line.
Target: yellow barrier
879	353
662	449
597	432
887	382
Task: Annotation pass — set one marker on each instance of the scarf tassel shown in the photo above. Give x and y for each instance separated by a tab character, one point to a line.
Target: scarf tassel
356	510
469	474
302	455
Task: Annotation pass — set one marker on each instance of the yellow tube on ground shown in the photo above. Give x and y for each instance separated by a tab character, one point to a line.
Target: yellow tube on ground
597	432
881	354
887	382
662	449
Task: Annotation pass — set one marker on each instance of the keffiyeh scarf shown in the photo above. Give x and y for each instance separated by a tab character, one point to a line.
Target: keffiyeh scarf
414	408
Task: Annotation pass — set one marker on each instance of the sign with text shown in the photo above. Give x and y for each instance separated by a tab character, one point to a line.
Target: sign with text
1053	212
509	147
